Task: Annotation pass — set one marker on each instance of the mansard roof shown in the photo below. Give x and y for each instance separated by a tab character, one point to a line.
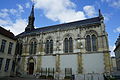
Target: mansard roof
7	33
65	26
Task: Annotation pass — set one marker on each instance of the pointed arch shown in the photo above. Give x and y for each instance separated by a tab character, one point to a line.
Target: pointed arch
91	42
88	43
31	65
33	46
94	42
49	45
70	44
66	45
68	35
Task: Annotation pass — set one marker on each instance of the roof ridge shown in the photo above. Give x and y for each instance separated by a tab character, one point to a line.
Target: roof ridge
67	23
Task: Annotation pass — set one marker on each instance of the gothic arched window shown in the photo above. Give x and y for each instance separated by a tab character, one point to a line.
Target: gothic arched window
68	45
91	43
94	43
33	47
88	43
49	46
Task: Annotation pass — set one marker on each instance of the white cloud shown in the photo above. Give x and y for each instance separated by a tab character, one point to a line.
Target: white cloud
113	3
105	0
89	10
27	5
116	4
62	11
3	14
112	50
20	8
13	11
17	27
13	23
117	29
4	10
107	16
3	22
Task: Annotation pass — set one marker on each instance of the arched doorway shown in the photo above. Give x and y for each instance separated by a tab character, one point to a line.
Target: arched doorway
30	66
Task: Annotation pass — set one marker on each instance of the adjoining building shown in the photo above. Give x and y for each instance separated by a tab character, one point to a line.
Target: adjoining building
113	62
117	53
116	73
79	47
7	52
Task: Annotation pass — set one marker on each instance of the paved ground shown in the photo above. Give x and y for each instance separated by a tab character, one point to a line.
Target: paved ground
18	78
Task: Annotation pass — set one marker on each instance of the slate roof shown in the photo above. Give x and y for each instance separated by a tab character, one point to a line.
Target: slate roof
7	33
65	26
117	43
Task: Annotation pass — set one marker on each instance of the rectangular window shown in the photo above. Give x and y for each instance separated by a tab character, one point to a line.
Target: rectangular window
13	66
7	65
1	60
10	48
3	46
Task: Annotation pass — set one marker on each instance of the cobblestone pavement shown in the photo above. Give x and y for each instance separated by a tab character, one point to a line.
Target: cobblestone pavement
19	78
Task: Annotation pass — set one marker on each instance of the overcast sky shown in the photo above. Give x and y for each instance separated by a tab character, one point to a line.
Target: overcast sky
14	14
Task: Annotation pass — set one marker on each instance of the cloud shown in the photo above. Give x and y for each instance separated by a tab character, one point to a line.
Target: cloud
112	50
17	27
62	11
3	22
105	0
27	5
117	29
13	11
3	14
4	10
116	4
113	3
20	8
11	19
89	10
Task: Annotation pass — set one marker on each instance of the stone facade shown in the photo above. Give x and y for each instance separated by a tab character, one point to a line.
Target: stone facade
113	61
79	59
117	53
7	52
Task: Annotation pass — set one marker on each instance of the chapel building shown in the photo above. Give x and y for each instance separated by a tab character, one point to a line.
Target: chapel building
78	47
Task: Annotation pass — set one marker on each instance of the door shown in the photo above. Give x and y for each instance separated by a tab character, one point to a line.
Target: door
31	68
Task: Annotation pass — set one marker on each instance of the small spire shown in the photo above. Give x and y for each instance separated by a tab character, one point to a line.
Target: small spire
100	14
32	11
31	20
